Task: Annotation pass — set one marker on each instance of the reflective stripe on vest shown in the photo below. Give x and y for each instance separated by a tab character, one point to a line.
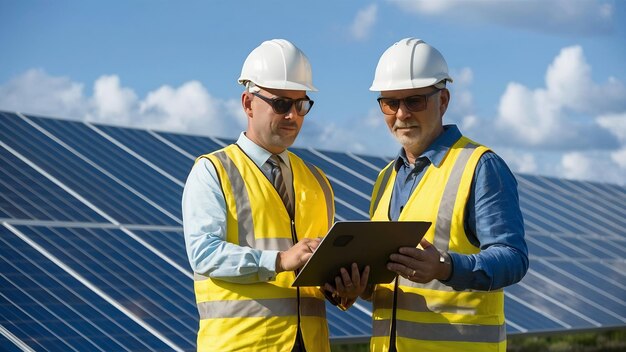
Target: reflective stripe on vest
277	307
442	332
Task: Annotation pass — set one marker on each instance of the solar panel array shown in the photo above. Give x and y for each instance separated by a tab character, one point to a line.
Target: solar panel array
92	253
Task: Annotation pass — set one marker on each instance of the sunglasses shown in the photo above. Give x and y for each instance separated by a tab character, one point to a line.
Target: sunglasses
282	106
414	103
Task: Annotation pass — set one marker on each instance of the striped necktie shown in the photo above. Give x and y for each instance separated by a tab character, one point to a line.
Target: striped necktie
279	182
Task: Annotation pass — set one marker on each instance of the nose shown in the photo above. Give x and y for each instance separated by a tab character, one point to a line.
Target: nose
403	113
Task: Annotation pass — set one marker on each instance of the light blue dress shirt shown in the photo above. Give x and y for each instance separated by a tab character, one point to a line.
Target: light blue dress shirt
204	223
493	219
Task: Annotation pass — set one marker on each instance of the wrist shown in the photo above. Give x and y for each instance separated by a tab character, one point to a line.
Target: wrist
279	266
445	263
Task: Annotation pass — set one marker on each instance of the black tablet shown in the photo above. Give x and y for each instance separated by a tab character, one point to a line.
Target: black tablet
362	242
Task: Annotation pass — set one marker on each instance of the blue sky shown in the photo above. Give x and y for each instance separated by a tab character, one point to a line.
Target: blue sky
541	82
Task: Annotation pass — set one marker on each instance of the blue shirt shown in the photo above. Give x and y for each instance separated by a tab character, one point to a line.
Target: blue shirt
493	220
204	224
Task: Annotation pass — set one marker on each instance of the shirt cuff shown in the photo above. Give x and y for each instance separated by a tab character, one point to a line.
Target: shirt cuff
267	265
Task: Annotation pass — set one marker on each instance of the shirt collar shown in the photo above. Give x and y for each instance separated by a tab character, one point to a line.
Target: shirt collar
258	154
436	151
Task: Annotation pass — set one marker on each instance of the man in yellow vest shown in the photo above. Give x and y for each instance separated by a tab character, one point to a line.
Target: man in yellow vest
448	295
253	214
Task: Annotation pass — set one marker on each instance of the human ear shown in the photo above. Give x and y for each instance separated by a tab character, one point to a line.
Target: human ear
246	103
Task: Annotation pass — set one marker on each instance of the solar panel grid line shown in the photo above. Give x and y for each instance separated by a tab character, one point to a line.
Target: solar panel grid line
151	186
567	244
145	275
334	316
352	207
101	169
74	292
580	195
171	145
106	188
599	251
85	176
158	253
140	274
543	222
59	183
557	253
153	315
15	340
536	310
616	243
150	148
171	244
341	166
58	318
153	228
594	220
618	214
553	300
594	192
582	298
569	235
607	191
219	142
337	181
559	212
516	327
135	155
361	308
32	193
364	162
615	282
585	215
95	289
16	205
192	145
31	317
588	286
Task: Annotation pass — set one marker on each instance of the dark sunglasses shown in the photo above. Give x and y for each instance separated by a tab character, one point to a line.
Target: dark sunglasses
414	103
282	106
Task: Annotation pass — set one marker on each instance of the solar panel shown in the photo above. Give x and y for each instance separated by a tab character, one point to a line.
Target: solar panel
93	257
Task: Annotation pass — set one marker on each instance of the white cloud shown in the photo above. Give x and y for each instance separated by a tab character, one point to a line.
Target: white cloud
619	157
519	162
461	107
615	124
188	108
363	22
560	115
594	166
38	93
111	102
576	165
585	17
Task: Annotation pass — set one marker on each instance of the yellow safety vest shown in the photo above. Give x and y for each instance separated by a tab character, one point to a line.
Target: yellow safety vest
264	316
433	316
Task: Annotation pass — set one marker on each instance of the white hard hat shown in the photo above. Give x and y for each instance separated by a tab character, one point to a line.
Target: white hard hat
410	63
278	64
